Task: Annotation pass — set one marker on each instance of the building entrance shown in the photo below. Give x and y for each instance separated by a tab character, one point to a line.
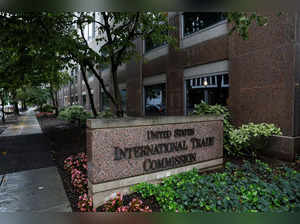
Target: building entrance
212	89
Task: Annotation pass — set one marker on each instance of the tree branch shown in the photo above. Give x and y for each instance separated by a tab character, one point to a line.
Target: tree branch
102	83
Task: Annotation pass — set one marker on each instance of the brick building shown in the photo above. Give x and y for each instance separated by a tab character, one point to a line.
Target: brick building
258	79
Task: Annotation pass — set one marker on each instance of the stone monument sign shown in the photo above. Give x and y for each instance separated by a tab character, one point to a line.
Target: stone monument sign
127	151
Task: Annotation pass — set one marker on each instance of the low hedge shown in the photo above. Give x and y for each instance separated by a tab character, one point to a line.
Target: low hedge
47	108
74	113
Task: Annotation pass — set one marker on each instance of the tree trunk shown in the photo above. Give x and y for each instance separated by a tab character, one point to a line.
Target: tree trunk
16	106
101	81
54	101
117	94
2	109
25	105
92	104
15	102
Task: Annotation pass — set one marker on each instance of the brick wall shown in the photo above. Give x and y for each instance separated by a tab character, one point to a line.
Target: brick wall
262	74
297	82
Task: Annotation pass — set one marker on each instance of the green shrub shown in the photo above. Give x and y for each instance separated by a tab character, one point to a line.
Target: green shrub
206	109
74	113
250	188
47	108
251	138
244	141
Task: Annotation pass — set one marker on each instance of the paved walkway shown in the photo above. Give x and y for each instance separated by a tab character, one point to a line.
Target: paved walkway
29	180
27	125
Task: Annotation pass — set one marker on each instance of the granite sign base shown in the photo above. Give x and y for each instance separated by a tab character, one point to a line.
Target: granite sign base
127	151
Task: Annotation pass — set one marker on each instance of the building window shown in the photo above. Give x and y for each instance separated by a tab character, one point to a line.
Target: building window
196	21
124	99
212	89
105	102
150	44
155	100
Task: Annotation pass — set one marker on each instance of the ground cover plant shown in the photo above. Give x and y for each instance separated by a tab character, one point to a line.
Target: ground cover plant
253	187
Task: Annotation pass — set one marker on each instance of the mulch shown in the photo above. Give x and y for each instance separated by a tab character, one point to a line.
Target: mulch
66	139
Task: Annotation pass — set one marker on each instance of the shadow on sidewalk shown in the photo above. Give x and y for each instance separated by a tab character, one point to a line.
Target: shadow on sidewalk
24	152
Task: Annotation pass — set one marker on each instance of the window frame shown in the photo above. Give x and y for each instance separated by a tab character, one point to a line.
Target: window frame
183	35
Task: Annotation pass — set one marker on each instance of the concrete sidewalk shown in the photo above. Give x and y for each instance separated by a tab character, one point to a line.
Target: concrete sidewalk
29	180
38	190
26	125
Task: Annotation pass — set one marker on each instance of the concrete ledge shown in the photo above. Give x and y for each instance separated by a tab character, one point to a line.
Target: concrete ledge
283	148
104	191
147	121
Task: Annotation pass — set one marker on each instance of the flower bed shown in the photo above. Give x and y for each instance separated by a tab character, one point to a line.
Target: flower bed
76	165
252	187
45	115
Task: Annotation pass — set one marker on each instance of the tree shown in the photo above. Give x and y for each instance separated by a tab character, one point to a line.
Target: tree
59	45
4	99
37	96
55	82
117	32
28	59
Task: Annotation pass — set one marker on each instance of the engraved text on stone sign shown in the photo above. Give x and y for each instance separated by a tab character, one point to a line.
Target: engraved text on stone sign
148	150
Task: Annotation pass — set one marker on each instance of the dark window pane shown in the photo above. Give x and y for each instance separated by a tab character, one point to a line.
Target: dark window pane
155	100
211	94
151	44
202	81
194	82
226	79
124	98
195	21
213	80
208	81
105	101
